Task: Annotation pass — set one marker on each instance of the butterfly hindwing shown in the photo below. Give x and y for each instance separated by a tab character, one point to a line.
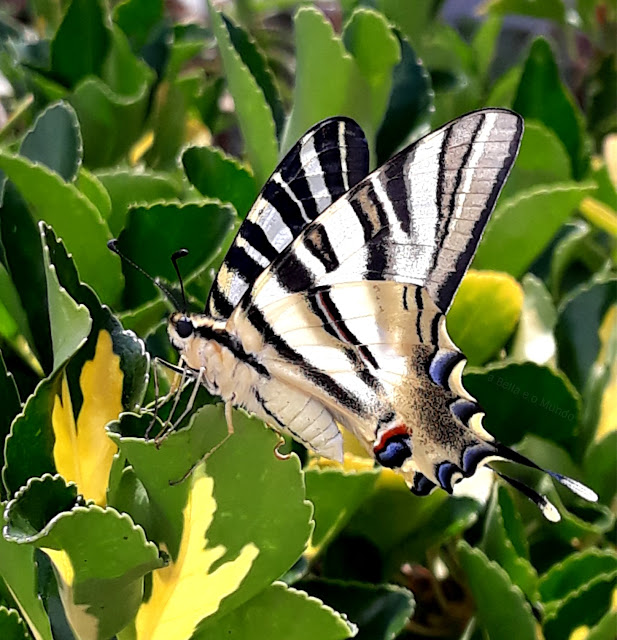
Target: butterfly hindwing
324	164
418	219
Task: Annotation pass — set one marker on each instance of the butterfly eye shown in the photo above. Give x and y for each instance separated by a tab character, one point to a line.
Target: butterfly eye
396	450
184	327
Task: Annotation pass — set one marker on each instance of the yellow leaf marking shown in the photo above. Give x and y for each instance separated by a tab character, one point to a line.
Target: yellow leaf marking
185	592
83	452
607	421
84	624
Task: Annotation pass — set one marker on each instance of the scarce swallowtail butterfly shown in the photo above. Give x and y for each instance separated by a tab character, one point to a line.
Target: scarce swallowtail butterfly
328	311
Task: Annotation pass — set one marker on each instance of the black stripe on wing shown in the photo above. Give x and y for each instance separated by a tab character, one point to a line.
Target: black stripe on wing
324	164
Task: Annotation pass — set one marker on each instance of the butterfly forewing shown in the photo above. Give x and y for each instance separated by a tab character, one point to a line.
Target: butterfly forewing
418	219
323	165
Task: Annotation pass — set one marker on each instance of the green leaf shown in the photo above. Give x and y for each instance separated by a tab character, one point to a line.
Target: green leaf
411	104
605	629
130	187
542	159
576	257
169	119
84	231
327	78
500	605
112	110
255	504
576	570
254	58
134	362
504	89
81	43
391	514
578	323
298	617
252	109
137	18
600	416
414	24
10	310
449	520
24	257
504	541
522	398
106	376
217	175
70	322
9	401
380	611
336	495
507	245
484	43
602	109
550	9
585	606
600	463
18	571
486	309
333	80
542	96
534	340
12	627
92	188
377	52
101	583
198	227
55	141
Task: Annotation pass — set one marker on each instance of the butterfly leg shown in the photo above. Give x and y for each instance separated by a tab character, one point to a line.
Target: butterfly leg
157	400
170	424
230	432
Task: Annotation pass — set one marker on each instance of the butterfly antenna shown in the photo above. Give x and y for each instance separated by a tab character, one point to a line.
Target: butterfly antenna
113	246
174	258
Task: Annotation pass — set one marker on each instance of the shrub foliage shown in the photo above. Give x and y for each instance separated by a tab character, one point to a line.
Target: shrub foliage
121	120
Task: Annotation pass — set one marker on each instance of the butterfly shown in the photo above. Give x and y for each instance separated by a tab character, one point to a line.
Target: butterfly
328	311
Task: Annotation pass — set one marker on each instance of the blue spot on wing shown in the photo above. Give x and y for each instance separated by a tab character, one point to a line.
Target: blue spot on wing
473	456
421	486
442	364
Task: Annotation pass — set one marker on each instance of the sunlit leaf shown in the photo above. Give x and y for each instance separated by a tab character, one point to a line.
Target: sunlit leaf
100	583
534	339
223	550
82	450
217	175
484	314
55	141
84	232
298	617
507	245
253	112
543	96
380	611
500	605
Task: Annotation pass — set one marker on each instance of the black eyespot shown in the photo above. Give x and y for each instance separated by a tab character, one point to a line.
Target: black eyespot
184	327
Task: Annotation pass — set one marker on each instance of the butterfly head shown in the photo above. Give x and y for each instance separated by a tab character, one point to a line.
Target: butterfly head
194	336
